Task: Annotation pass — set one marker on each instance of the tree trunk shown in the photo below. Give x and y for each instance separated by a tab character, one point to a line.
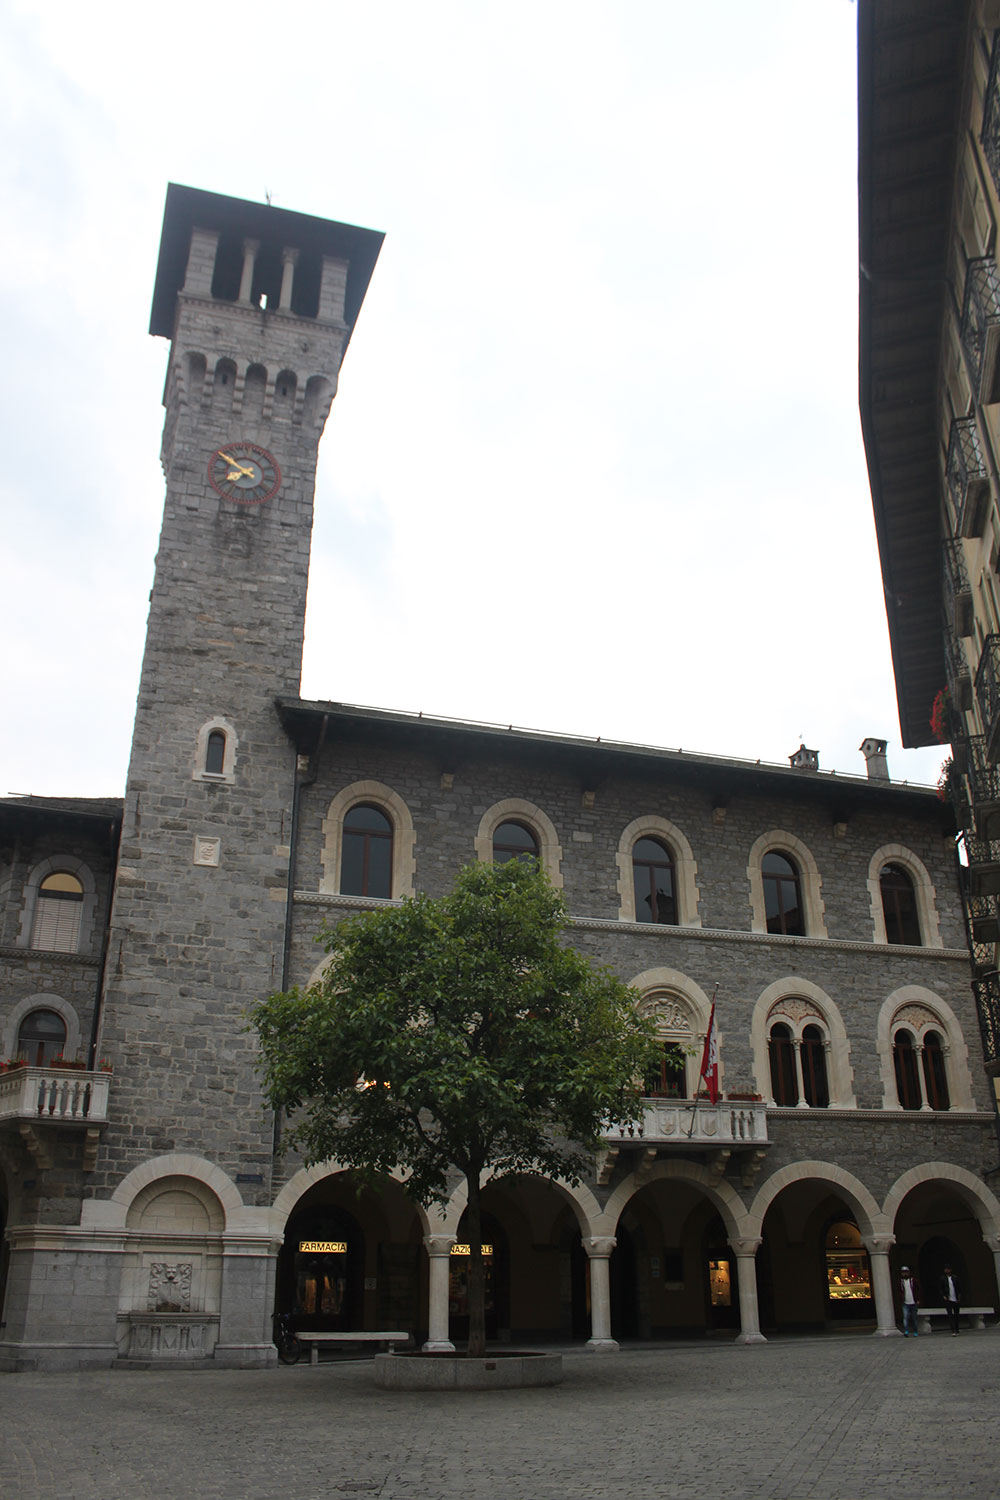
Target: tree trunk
477	1282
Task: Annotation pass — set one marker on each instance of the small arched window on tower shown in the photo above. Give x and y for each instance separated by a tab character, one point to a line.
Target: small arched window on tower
215	753
41	1036
653	876
904	1058
58	909
514	841
899	906
781	1054
782	895
366	856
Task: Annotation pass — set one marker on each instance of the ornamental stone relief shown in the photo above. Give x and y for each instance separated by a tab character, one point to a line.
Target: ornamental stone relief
169	1287
917	1016
669	1013
795	1009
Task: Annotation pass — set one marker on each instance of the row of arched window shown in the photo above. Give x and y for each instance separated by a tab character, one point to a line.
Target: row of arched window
367	870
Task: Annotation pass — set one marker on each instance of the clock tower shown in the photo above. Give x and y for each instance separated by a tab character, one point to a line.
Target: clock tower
259	305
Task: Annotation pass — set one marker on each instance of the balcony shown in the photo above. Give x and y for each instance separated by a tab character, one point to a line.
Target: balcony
990	134
988	697
984	787
957	588
967	480
987	991
957	672
41	1102
981	324
672	1127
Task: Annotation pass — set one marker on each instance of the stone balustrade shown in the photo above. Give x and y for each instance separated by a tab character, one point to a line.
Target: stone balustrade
62	1096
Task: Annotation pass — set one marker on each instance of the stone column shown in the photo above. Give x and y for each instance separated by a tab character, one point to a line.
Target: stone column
746	1274
800	1103
438	1262
992	1242
921	1077
289	260
599	1252
878	1247
250	248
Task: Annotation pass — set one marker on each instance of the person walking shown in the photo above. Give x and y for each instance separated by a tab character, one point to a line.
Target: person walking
951	1296
909	1289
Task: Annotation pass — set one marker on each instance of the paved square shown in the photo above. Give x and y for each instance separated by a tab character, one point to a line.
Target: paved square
836	1418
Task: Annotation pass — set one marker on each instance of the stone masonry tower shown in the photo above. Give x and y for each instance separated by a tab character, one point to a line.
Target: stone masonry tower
259	305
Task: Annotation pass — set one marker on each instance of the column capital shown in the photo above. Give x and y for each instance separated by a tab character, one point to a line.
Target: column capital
289	256
991	1241
878	1244
439	1244
599	1247
748	1246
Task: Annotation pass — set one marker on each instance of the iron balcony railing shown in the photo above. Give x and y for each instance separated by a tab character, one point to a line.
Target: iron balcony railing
988	696
967	479
990	135
956	666
987	992
984	789
981	322
957	588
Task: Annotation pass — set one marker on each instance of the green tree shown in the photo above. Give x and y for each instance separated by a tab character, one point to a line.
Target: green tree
456	1035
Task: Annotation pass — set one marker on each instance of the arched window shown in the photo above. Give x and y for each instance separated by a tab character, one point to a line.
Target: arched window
366	861
781	1054
514	841
215	753
935	1075
58	909
653	876
904	1059
668	1079
814	1080
782	895
899	906
41	1036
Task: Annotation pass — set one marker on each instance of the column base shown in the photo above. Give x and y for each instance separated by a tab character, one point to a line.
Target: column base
750	1338
603	1346
887	1333
438	1346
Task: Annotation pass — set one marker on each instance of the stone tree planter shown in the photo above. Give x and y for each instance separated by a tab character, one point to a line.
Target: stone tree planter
509	1370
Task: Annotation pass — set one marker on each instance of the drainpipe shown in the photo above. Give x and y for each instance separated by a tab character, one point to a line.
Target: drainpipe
302	780
102	968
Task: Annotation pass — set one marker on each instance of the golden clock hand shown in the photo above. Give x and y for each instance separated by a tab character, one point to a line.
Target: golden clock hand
236	466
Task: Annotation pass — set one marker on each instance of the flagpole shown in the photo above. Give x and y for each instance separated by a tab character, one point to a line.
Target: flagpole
701	1075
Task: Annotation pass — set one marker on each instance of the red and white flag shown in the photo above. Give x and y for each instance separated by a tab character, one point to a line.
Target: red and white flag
710	1060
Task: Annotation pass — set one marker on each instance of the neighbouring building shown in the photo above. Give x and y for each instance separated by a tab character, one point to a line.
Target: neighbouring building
148	1215
929	204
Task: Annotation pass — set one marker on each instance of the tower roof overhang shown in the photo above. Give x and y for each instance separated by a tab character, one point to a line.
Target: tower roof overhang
910	67
188	208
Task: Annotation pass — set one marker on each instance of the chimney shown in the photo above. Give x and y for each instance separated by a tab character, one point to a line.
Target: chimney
873	751
804	760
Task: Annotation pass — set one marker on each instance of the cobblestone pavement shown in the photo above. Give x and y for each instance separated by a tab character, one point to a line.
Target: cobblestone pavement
805	1419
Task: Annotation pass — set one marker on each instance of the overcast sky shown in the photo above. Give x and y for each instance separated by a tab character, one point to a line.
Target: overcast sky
595	465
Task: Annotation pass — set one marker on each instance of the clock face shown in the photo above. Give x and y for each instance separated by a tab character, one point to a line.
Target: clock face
244	473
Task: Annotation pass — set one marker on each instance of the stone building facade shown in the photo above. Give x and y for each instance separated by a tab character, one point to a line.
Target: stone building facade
149	1213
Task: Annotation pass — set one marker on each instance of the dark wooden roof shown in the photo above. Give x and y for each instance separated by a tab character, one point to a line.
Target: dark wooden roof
910	62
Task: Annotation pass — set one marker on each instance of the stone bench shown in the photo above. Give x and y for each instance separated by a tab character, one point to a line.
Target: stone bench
356	1337
977	1314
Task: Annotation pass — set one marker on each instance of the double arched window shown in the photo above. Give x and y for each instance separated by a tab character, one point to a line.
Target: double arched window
798	1066
366	857
654	882
918	1061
